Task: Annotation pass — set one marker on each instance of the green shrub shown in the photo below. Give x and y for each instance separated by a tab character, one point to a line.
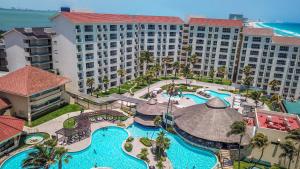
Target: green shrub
128	147
171	130
130	139
146	141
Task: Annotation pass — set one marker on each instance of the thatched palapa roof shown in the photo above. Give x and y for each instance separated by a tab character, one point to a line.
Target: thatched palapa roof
210	121
152	108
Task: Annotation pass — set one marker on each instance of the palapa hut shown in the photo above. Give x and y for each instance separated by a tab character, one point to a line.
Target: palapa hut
208	124
147	111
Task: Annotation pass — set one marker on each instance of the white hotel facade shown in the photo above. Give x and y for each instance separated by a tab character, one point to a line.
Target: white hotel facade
90	45
96	45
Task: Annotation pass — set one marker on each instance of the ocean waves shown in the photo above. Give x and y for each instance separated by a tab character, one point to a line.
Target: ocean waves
281	29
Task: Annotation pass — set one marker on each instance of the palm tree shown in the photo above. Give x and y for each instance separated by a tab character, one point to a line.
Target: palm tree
256	96
295	135
247	70
105	82
259	141
149	76
171	92
156	68
289	150
221	72
274	85
186	71
247	82
238	128
264	99
275	99
146	58
192	60
160	164
42	157
121	73
162	144
144	154
211	73
157	121
90	82
62	156
176	66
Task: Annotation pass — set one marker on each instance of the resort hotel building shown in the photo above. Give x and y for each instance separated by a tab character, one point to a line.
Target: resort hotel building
30	92
90	45
28	46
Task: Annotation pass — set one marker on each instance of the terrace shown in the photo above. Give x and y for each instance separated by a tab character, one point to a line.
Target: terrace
273	120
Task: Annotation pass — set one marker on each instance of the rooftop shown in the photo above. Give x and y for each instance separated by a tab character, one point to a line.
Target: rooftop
258	31
30	80
277	121
286	40
216	22
37	32
4	103
9	127
82	17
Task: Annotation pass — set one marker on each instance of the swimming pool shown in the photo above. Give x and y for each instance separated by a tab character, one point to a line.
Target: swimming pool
201	100
106	151
181	154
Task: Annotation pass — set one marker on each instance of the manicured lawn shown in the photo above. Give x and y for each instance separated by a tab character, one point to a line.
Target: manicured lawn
69	123
245	165
184	87
52	115
215	80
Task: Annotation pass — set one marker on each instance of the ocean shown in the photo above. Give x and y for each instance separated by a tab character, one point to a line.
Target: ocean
282	29
10	18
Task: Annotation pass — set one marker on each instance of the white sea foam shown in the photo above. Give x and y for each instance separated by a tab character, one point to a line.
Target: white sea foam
280	32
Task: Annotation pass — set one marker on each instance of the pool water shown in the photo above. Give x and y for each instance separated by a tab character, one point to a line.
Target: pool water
222	96
201	100
34	138
106	151
181	154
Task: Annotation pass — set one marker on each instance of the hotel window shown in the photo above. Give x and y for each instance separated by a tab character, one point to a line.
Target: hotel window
266	47
255	46
77	27
256	39
89	47
272	47
142	26
150	41
226	37
113	36
151	27
246	38
210	29
282	55
173	27
191	28
270	61
200	35
253	52
113	44
89	65
226	30
224	43
159	27
216	29
281	62
172	34
252	59
113	27
279	69
88	38
151	33
295	49
267	40
113	53
129	27
215	42
89	56
224	50
88	28
245	45
129	34
284	48
89	73
171	40
201	28
236	30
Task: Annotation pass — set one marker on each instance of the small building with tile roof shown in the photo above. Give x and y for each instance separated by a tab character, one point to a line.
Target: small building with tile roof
32	91
11	129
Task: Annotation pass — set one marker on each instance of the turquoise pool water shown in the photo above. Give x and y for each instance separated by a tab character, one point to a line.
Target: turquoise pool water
181	154
200	100
106	151
222	96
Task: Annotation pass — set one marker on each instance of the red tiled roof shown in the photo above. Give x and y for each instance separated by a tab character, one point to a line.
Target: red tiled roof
81	17
9	127
286	40
258	31
277	121
30	80
216	22
4	103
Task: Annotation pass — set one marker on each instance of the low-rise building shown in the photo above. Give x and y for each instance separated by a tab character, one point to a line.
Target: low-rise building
10	133
275	126
33	92
29	46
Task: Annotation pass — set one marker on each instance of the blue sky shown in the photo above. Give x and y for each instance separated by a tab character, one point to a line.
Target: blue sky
267	10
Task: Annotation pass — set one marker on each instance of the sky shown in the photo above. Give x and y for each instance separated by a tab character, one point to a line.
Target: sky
266	10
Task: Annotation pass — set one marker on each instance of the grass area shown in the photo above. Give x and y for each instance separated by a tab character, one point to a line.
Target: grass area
52	115
184	87
69	123
245	165
214	80
124	88
146	141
